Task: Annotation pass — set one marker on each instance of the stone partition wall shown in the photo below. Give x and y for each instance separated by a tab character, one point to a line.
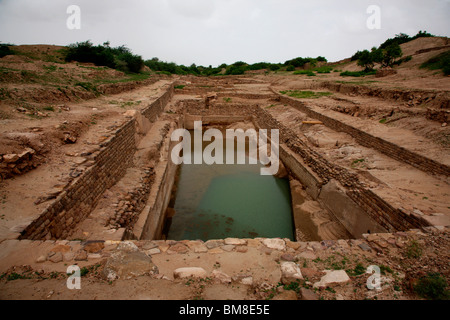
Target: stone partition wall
365	139
318	174
154	109
388	217
75	203
434	99
81	195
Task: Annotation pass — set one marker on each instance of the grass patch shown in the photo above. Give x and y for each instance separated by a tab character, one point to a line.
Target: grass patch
129	78
180	87
433	287
330	289
357	270
439	62
293	286
4	94
413	250
49	108
87	86
324	69
362	82
309	73
357	161
357	73
384	269
305	94
15	276
51	68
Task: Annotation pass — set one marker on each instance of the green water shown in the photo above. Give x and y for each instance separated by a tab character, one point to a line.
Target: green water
220	201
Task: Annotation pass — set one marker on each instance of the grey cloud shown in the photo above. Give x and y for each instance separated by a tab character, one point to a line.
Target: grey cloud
214	31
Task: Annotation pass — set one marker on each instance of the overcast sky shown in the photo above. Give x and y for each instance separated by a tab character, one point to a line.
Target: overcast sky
211	32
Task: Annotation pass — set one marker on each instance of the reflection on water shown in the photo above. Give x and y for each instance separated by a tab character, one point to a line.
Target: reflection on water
220	201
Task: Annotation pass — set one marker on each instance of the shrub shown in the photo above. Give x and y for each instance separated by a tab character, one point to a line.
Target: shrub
119	58
306	94
391	53
413	250
357	73
367	59
5	50
132	62
356	56
441	61
405	59
300	62
403	38
235	70
290	68
274	67
324	69
433	286
259	66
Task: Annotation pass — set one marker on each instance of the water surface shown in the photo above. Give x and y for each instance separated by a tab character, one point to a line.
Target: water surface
220	201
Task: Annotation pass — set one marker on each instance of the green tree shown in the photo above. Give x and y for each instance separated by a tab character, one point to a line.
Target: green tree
367	59
391	53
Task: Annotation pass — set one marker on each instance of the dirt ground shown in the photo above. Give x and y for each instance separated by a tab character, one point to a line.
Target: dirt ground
249	270
61	122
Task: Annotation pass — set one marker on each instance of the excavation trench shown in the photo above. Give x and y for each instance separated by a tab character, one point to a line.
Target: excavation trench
306	201
215	201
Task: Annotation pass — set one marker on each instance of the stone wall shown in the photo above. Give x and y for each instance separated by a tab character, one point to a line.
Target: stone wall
436	100
365	139
17	163
75	203
154	109
314	171
81	195
384	214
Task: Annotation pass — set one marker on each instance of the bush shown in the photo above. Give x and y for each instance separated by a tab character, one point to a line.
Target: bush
274	67
300	62
391	53
414	250
290	68
119	58
5	50
405	59
132	62
236	69
367	59
357	73
404	38
433	286
259	66
324	69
